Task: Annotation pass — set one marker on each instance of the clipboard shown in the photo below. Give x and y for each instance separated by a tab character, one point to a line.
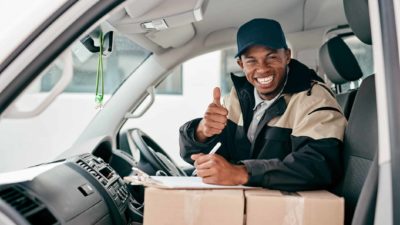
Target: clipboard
139	177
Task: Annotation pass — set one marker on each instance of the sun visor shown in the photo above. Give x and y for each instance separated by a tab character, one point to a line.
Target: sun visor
168	38
158	15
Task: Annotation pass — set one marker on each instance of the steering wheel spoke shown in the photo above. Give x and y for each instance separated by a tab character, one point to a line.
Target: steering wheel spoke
151	153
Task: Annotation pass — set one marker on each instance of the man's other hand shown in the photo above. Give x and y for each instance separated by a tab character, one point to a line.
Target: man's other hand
214	120
214	169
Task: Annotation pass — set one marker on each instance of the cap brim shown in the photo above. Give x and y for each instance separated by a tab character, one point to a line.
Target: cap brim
244	48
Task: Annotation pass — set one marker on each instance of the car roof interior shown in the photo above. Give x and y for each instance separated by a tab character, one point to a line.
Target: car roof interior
301	20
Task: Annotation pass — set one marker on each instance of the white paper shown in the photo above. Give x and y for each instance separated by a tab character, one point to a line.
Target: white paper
25	174
188	183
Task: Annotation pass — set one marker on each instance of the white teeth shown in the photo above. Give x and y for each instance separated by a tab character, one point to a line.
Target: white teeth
265	80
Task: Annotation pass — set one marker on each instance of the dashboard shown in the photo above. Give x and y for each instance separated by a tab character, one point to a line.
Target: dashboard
82	189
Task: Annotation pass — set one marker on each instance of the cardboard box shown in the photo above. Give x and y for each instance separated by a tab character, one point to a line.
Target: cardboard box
301	208
237	207
193	207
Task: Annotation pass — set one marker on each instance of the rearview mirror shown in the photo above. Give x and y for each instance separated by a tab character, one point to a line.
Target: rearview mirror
92	42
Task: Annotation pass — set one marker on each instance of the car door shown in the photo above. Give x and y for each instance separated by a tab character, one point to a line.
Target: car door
385	23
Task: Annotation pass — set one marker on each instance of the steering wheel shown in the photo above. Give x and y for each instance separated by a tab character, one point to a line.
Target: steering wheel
154	154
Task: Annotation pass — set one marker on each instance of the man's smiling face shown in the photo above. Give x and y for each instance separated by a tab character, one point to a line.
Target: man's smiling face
265	69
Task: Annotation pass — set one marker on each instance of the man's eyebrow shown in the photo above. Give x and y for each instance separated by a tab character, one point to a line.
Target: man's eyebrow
248	56
272	51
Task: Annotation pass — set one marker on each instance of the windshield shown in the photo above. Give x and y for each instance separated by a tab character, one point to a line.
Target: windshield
28	17
32	140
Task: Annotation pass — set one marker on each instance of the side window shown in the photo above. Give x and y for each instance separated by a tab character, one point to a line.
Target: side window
228	66
182	96
172	84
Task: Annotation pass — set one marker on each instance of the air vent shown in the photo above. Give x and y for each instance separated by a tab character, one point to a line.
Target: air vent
34	211
92	171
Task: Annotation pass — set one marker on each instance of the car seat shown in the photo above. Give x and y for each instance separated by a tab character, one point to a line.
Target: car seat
340	66
359	183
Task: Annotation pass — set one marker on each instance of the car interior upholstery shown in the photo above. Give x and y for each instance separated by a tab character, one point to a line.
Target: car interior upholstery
360	148
341	66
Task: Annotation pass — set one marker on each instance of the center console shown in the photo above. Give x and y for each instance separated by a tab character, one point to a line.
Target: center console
107	177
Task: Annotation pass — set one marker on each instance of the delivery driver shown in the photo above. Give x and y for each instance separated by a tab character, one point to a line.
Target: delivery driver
280	127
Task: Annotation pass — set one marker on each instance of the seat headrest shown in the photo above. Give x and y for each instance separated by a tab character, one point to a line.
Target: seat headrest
357	15
338	61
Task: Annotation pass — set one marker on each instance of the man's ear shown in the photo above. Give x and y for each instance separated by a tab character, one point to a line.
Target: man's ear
239	62
288	54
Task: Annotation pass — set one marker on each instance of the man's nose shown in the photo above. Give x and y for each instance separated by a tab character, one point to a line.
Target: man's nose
262	67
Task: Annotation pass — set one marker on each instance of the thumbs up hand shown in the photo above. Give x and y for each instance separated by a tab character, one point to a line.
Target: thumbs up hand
214	120
217	96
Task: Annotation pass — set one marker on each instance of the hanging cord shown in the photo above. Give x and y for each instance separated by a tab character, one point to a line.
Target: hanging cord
99	76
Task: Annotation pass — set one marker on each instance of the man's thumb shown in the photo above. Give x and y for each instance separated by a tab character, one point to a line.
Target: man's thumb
217	96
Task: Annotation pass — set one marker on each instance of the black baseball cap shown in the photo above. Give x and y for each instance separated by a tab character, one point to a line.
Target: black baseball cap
265	32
